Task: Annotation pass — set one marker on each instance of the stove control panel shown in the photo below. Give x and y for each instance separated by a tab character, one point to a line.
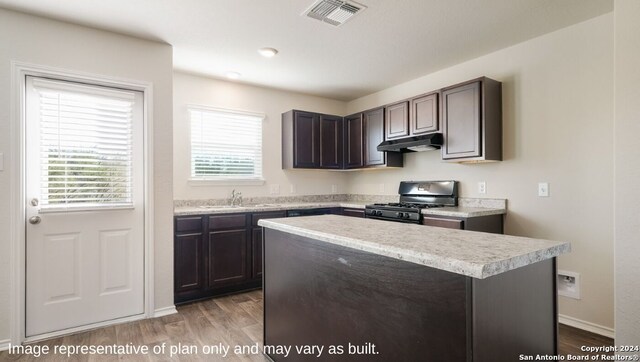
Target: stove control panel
381	213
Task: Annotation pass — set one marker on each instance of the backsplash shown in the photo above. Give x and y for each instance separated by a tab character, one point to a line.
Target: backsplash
354	198
263	200
483	203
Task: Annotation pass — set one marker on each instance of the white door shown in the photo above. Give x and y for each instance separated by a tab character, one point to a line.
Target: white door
85	216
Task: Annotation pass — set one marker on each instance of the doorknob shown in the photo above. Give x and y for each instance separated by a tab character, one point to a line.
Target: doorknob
35	220
34	202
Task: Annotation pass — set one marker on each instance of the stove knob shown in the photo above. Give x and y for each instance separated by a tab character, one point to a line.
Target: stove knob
400	214
407	216
377	213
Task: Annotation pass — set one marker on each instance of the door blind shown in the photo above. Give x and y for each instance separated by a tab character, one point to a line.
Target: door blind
85	145
225	145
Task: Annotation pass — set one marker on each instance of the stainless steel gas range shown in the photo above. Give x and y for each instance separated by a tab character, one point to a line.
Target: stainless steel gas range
415	196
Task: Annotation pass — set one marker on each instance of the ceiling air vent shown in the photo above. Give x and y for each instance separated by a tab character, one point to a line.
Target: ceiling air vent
334	12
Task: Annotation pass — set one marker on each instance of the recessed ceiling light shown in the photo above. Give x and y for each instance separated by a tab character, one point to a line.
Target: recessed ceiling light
268	52
233	75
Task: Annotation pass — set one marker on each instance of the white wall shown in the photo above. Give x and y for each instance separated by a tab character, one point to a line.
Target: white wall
192	89
558	127
627	171
50	43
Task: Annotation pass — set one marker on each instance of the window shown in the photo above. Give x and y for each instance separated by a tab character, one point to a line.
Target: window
84	144
225	145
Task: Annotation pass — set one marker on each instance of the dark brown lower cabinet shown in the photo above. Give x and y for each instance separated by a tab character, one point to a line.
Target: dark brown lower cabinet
217	254
188	262
227	257
256	250
211	256
353	212
256	240
488	224
188	254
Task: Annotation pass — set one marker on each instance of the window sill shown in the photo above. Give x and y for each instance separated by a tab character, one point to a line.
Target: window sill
225	182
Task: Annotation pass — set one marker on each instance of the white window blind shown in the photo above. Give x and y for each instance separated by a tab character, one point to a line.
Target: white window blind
85	145
225	145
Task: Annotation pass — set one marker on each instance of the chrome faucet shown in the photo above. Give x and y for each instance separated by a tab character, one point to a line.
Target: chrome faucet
236	198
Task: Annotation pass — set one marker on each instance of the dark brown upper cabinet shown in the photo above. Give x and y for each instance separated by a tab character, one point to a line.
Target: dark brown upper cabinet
374	132
472	121
311	140
424	114
331	142
353	141
397	117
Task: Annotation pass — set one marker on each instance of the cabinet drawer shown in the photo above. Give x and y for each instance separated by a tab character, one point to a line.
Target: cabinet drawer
193	223
236	221
267	215
443	223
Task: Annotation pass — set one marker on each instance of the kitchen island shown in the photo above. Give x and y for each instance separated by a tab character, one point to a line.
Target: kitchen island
376	290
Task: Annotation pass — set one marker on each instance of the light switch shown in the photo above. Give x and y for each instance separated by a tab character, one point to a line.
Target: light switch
543	189
334	189
1	161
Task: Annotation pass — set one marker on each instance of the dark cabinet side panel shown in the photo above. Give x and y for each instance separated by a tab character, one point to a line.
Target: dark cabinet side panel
374	135
227	256
397	120
514	314
461	121
331	142
354	141
424	114
306	139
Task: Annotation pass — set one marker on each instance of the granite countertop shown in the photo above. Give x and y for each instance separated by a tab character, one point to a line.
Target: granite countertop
459	211
474	254
463	211
223	209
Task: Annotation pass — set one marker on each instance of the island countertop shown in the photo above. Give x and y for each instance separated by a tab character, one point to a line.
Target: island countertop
474	254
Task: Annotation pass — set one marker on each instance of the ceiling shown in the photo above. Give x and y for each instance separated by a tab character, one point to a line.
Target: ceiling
389	43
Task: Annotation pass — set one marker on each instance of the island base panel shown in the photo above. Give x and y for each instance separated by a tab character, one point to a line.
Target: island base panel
324	294
318	293
515	313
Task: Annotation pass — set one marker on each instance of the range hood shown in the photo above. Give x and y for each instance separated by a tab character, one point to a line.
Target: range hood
427	142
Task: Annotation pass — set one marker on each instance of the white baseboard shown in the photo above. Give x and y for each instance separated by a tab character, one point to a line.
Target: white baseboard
587	326
164	311
4	344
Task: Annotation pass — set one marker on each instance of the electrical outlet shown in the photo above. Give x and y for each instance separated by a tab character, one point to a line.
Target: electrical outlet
568	284
543	189
381	188
275	189
334	189
482	187
292	189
